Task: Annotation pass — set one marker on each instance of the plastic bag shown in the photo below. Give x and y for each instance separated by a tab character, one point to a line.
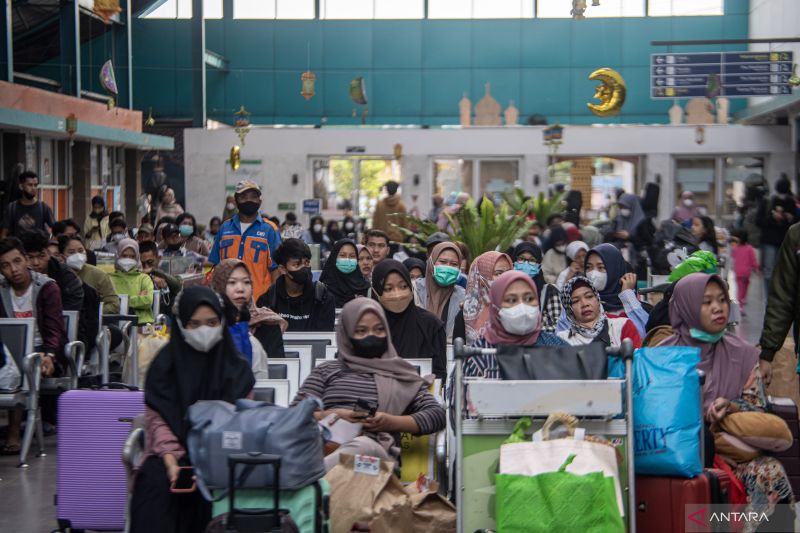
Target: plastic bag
666	411
9	373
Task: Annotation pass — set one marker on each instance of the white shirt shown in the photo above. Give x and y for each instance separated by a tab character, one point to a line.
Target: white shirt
245	226
23	308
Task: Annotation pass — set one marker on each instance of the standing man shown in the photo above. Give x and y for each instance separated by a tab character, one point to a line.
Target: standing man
248	237
27	213
385	214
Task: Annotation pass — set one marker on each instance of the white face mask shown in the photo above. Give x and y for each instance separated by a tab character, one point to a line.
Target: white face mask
348	226
317	228
598	279
230	206
688	202
203	338
126	264
76	261
561	249
625	212
521	319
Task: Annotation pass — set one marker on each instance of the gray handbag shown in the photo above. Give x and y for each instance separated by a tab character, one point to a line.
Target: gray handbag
219	429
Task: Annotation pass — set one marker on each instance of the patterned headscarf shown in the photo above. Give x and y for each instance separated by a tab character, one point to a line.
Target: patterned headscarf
477	302
575	326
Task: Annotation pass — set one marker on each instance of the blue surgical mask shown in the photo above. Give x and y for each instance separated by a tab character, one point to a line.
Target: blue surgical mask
531	269
346	266
186	230
704	336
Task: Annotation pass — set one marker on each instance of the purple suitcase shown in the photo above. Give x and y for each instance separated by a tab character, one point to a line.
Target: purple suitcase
92	428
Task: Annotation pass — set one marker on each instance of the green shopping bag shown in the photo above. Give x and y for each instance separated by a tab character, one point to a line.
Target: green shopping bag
556	502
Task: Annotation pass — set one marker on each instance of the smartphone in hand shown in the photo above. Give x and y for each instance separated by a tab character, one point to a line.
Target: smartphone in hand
185	482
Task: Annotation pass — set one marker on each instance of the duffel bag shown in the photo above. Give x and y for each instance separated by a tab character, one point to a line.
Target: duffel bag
219	429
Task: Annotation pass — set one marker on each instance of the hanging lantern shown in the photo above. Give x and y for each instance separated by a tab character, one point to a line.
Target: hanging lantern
106	9
236	158
398	151
358	91
700	135
150	121
242	124
308	78
109	82
595	3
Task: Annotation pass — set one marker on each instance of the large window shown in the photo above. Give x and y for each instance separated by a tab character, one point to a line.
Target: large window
273	9
607	8
182	9
371	9
480	9
678	8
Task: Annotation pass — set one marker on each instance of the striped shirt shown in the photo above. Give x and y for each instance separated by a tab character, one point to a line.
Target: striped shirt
485	366
339	388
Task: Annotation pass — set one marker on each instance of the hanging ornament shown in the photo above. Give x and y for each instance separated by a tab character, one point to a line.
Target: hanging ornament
358	91
106	9
235	158
398	151
71	127
109	82
794	81
578	9
308	78
610	92
595	3
150	121
242	124
700	135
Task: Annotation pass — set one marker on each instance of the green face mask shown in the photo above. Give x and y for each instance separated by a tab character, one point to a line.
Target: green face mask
704	336
346	266
445	276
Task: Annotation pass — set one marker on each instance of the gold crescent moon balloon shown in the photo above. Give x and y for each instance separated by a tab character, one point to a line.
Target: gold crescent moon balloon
236	158
610	92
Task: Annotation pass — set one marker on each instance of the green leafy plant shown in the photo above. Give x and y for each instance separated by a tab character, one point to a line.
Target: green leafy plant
543	207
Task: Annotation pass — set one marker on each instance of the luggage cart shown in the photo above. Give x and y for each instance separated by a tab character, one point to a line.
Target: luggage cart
485	412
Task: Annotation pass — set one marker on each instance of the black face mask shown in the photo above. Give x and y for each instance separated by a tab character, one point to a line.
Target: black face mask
301	276
370	347
173	247
249	209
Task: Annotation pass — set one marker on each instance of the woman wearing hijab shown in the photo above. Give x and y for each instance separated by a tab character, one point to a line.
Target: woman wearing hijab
416	268
438	292
199	363
315	234
368	370
610	275
555	260
686	210
168	207
631	227
588	321
576	253
514	319
365	262
699	311
128	279
340	273
528	259
334	232
96	224
473	318
416	333
231	280
187	228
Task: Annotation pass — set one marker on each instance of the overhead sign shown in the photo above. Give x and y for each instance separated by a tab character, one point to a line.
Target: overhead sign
729	74
312	207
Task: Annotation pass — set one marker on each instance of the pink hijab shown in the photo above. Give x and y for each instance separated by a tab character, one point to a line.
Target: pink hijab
727	363
476	304
495	334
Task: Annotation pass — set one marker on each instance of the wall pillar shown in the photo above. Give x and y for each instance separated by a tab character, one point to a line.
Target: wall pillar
132	186
81	180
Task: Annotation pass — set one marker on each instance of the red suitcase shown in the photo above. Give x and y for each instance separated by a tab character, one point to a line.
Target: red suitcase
662	501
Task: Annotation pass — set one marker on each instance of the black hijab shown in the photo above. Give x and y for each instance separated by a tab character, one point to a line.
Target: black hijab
334	235
318	237
344	287
615	269
179	376
414	331
534	250
412	263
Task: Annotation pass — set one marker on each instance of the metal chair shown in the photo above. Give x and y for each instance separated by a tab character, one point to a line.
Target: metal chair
272	390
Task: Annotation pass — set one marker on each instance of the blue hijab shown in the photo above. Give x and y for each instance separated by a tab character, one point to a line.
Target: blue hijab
615	269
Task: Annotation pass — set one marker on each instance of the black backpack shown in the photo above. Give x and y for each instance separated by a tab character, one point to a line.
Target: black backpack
670	236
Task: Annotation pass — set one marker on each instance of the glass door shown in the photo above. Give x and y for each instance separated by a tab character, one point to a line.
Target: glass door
351	186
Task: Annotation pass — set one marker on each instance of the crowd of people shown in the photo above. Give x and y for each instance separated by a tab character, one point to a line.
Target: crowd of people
560	284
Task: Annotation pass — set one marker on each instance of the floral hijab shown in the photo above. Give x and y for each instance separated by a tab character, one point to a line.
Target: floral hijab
575	327
477	301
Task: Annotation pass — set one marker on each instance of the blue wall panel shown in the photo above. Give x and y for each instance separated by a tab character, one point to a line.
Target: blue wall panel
415	70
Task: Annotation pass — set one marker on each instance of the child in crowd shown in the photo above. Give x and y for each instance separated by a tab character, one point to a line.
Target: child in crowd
744	264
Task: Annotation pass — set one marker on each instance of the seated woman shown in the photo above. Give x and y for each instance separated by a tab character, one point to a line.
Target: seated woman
699	309
610	275
246	323
514	319
341	275
199	363
128	279
438	292
365	262
588	321
369	369
576	253
416	268
555	260
706	234
416	333
528	259
473	318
